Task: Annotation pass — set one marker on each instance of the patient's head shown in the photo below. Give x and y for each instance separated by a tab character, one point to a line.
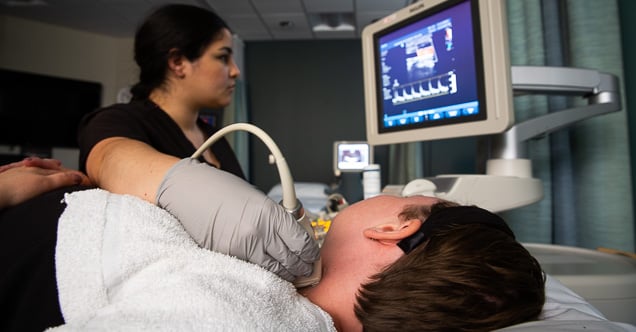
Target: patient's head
457	276
463	278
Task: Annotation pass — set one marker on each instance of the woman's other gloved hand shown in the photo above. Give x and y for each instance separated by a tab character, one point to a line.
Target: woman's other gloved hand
224	213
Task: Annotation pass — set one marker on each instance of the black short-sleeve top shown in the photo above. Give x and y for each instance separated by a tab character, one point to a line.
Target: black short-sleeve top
144	121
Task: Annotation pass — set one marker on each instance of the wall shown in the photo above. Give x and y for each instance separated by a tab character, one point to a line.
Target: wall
305	95
35	47
51	50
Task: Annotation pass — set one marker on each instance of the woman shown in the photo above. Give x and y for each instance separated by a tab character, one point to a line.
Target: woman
185	58
126	148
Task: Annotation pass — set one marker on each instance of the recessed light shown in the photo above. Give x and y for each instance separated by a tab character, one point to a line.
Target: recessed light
332	22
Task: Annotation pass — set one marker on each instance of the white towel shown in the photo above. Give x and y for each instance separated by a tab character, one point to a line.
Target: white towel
125	264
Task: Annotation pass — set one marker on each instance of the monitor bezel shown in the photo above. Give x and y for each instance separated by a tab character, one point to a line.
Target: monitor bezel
495	92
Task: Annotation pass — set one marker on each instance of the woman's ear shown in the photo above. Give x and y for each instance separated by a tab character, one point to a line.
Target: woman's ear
393	233
176	63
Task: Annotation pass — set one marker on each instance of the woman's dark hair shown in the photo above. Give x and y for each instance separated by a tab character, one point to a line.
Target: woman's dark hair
187	30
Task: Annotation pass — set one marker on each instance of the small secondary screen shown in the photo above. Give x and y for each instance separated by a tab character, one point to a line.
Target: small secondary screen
429	69
352	156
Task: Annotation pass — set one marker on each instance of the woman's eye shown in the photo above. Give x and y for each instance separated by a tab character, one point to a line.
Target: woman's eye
224	58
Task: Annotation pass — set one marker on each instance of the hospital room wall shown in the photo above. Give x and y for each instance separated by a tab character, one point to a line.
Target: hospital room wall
46	49
52	50
306	95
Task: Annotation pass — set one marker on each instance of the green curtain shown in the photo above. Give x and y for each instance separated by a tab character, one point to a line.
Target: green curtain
532	223
602	146
405	162
585	169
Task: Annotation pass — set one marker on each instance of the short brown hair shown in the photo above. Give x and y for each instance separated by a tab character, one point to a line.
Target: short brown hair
464	278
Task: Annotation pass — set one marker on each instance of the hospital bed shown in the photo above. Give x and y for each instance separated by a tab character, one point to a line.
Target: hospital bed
125	264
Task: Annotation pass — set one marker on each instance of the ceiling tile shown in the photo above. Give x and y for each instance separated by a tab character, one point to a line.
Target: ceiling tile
247	25
380	5
365	18
298	29
277	6
233	7
328	6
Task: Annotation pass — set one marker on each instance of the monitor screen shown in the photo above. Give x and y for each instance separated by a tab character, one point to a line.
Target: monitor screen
437	69
351	156
39	111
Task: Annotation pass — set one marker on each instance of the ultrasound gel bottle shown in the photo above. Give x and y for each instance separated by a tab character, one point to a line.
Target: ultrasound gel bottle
371	181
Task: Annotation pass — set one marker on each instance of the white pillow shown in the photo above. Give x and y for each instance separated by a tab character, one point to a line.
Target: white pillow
565	310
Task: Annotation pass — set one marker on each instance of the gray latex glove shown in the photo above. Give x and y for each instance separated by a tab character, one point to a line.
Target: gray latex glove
224	213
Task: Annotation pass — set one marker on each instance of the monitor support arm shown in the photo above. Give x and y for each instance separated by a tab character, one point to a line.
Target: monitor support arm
508	182
600	89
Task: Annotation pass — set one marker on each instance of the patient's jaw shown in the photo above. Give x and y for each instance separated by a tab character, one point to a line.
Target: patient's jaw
360	243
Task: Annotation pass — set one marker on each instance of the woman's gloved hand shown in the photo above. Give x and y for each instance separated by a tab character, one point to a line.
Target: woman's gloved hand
224	213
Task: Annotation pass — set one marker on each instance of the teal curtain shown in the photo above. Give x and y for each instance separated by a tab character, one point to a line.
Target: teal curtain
532	223
405	162
602	143
585	169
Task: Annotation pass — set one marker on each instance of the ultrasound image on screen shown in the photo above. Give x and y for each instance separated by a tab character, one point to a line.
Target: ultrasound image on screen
428	71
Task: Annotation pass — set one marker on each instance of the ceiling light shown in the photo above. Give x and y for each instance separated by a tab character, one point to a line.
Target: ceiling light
340	27
332	22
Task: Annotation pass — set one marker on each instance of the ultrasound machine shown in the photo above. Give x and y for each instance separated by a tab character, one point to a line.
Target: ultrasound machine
441	69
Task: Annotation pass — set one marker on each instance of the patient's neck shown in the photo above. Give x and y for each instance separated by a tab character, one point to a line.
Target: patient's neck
336	296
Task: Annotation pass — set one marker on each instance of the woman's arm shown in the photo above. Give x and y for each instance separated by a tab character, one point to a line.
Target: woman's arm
230	216
126	166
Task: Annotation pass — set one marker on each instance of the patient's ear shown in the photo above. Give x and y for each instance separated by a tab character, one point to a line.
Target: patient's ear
393	233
